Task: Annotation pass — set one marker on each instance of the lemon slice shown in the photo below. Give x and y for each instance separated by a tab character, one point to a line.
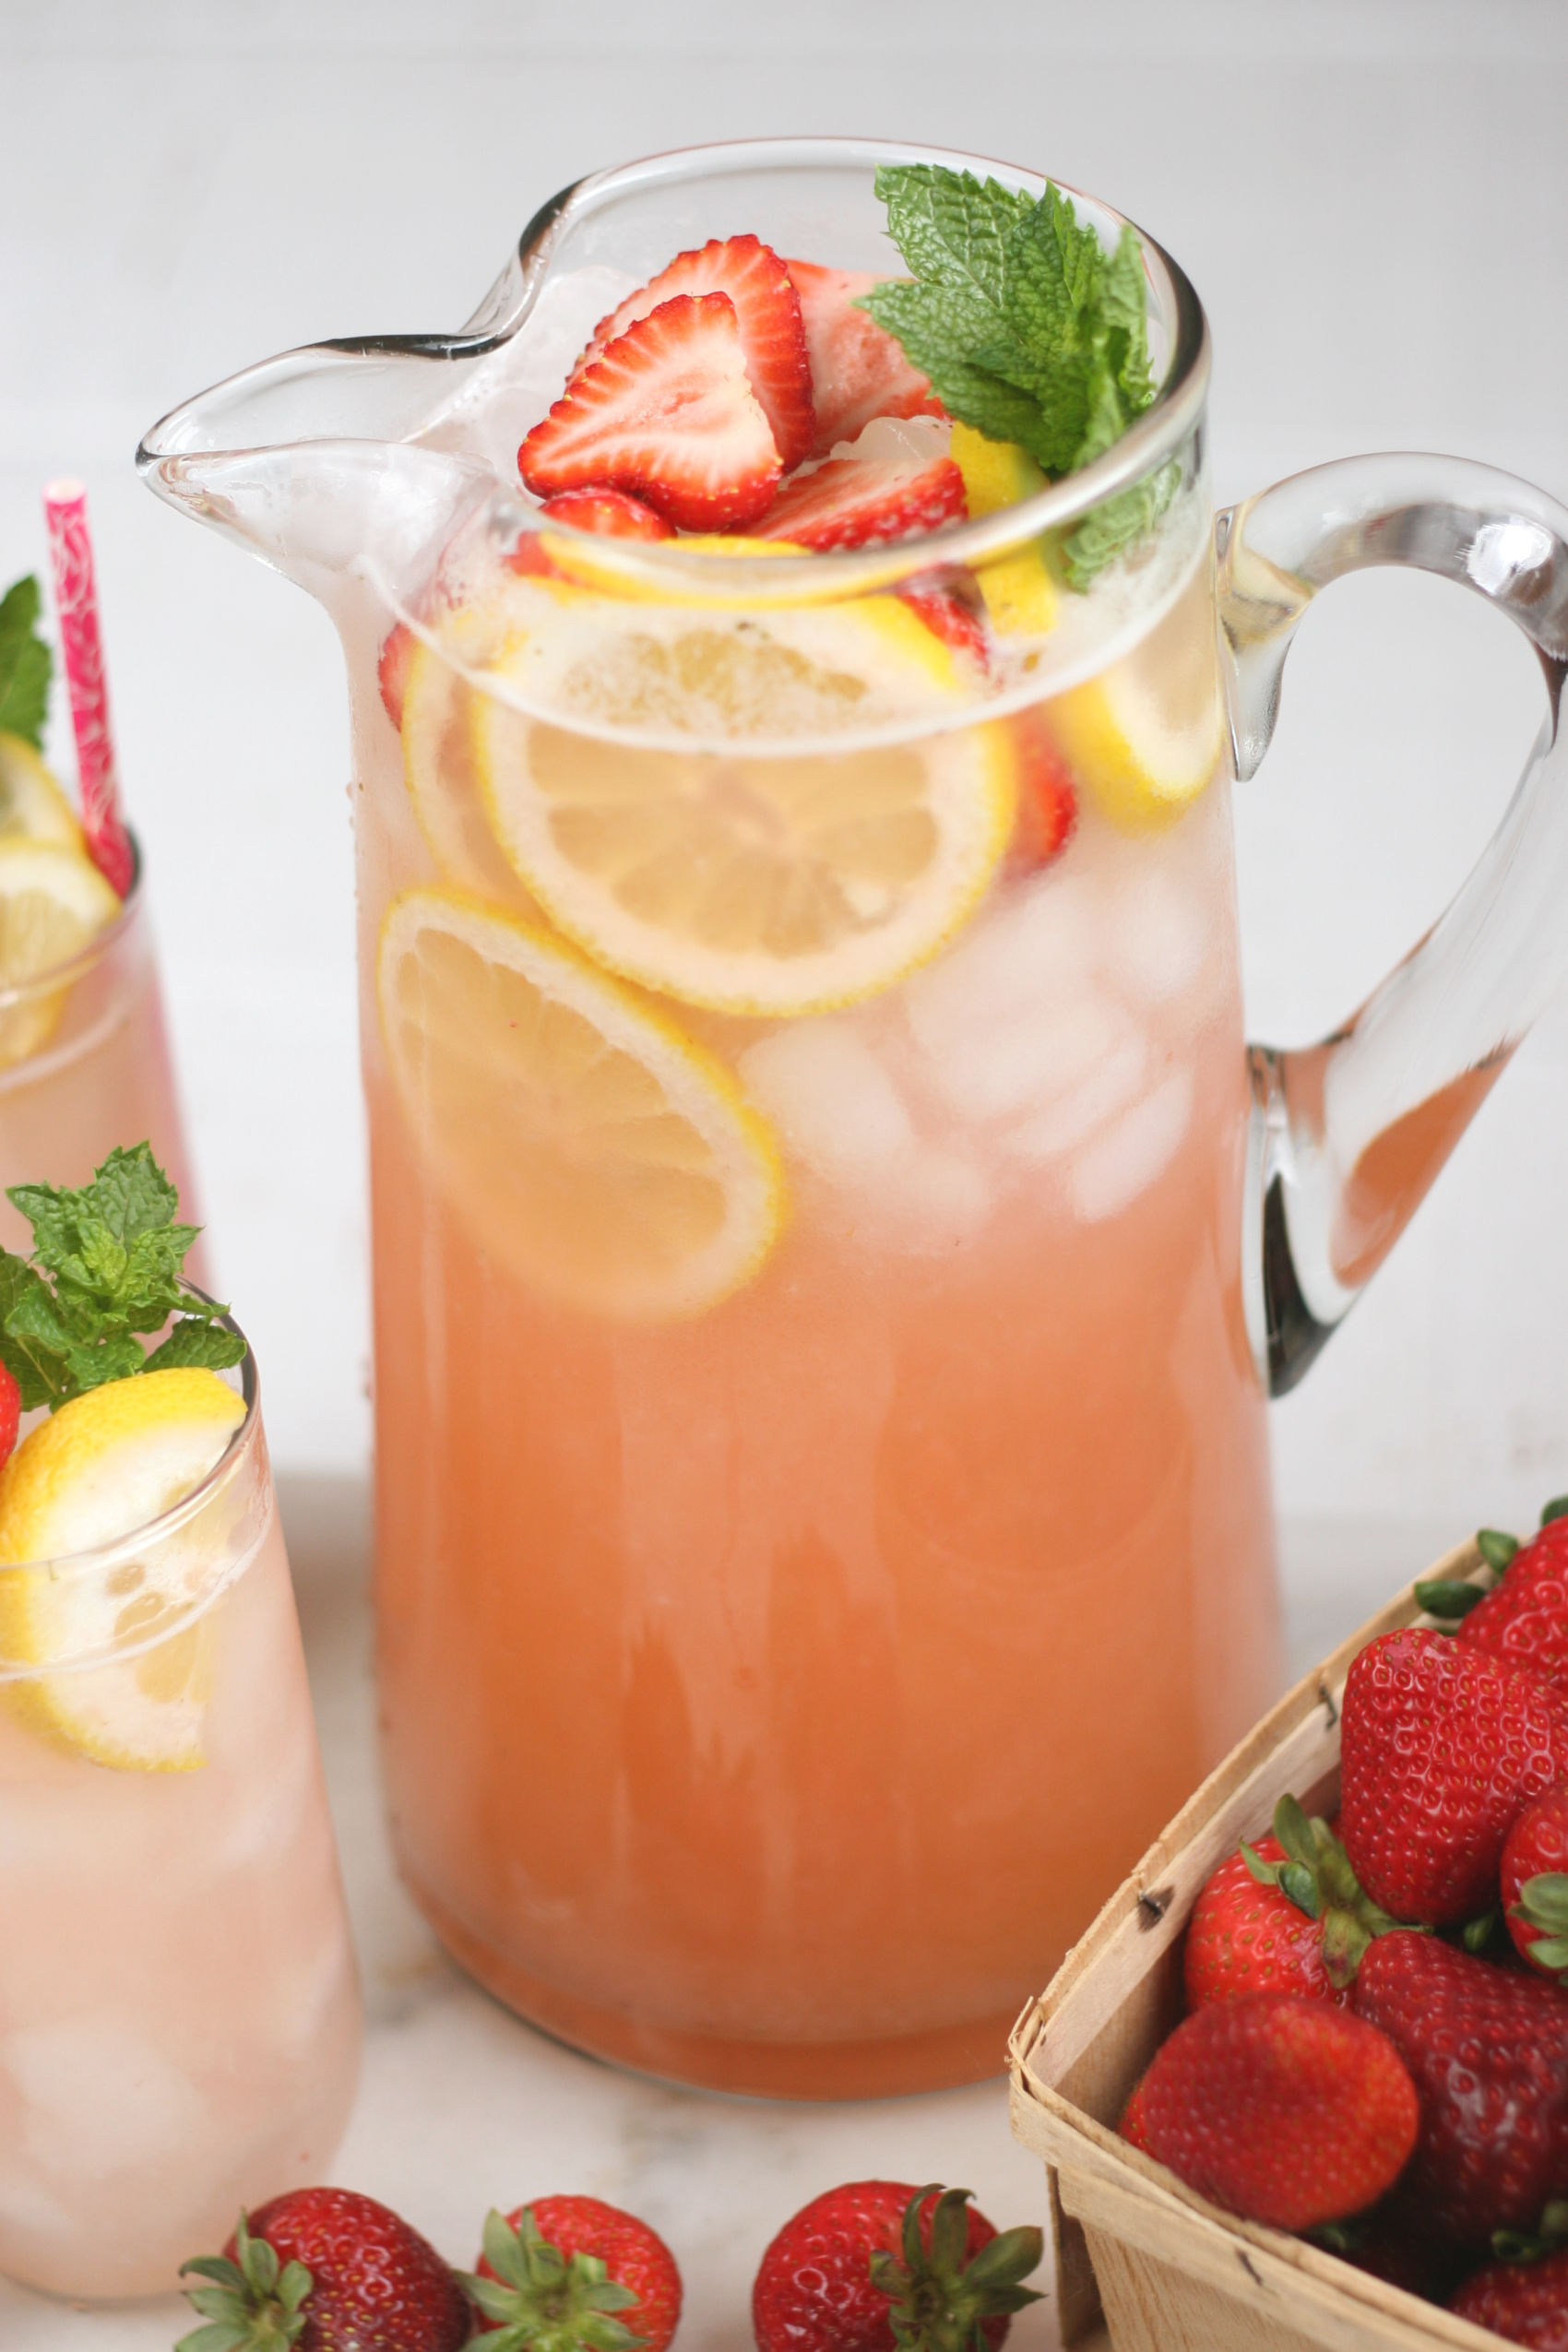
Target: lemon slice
107	1463
33	806
438	765
1148	734
782	879
53	901
599	1153
1020	594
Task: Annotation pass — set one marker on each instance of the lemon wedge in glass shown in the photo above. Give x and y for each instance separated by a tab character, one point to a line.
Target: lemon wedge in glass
127	1637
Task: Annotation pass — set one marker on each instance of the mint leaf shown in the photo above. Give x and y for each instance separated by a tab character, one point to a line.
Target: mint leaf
1029	331
26	664
106	1265
192	1342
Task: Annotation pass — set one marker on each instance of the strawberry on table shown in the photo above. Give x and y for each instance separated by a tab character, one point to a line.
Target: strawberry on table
768	311
667	412
889	484
878	2263
575	2275
608	512
1523	1622
857	371
1488	2048
1534	1884
326	2270
1280	2109
1441	1746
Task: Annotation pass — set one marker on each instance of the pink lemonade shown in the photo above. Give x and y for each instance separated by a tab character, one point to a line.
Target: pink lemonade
772	1692
179	2013
84	1064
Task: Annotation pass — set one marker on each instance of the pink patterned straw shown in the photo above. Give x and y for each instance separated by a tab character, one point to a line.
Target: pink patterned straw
81	649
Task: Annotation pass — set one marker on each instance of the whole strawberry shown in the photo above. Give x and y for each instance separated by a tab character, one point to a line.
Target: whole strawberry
1134	2126
325	2270
1527	2302
1534	1884
1283	2109
1523	1622
575	2275
1283	1915
877	2263
1441	1748
1488	2048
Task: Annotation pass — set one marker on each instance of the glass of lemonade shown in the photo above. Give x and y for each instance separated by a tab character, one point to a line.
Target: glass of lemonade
179	2012
832	1247
84	1060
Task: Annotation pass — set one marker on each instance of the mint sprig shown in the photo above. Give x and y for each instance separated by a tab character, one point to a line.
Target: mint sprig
105	1267
26	664
1029	331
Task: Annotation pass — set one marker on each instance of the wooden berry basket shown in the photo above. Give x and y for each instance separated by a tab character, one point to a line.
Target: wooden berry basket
1141	2262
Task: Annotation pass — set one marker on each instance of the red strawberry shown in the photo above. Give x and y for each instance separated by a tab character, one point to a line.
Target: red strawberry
1527	2302
608	512
1534	1884
1489	2050
772	334
852	501
1282	2109
10	1413
878	2263
392	671
575	2275
858	370
1048	798
1440	1748
1523	1622
667	412
1134	2126
323	2269
1283	1915
952	615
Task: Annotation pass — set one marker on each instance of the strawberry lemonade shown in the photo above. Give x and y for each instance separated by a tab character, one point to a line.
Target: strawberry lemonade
823	1517
178	2009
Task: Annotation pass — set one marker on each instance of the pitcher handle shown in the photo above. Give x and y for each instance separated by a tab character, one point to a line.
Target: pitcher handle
1346	1136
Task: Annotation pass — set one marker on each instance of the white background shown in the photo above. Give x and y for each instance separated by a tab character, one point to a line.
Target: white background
1371	199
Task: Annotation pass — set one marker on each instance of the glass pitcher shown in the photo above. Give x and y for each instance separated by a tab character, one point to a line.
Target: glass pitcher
833	1246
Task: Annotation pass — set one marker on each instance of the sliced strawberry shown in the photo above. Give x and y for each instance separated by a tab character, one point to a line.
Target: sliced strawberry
1048	798
858	370
667	412
610	512
531	557
949	614
392	671
772	332
850	502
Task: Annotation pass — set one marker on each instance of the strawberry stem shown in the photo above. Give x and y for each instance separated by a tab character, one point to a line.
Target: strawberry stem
542	2299
940	2302
252	2304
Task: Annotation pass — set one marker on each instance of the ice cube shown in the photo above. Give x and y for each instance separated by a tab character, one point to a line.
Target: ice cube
1125	1159
899	441
98	2096
1105	1087
1162	936
831	1098
989	1015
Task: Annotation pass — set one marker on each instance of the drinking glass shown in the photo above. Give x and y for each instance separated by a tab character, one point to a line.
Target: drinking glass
179	2011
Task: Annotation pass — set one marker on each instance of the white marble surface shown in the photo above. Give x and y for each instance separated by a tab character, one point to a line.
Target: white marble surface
461	2107
1370	199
